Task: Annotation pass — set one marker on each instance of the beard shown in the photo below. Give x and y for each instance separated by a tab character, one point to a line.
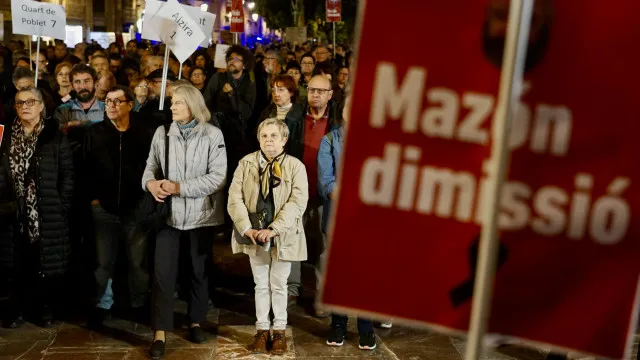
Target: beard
234	70
493	48
86	96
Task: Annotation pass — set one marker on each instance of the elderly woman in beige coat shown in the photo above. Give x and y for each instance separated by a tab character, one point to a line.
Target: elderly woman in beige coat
267	198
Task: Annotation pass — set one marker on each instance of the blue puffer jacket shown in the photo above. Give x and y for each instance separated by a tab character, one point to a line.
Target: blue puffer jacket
328	164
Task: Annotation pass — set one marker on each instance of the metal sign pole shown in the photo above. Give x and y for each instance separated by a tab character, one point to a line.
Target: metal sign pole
37	58
165	70
508	94
334	40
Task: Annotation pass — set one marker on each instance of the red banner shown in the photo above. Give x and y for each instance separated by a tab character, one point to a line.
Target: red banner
413	175
237	17
334	10
228	5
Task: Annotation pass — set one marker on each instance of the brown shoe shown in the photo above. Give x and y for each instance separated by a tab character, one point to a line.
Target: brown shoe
260	341
279	346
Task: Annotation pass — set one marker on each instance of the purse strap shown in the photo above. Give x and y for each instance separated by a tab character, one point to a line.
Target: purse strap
166	151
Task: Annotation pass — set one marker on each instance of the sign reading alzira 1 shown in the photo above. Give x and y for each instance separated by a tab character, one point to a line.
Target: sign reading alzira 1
414	175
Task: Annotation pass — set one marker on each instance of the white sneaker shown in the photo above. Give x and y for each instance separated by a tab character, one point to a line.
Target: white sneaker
386	324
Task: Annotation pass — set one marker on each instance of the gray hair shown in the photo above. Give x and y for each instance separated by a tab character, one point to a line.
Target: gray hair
38	94
284	129
194	100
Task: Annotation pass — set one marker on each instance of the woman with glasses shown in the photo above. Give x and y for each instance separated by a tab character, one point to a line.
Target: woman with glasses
140	89
197	167
307	64
198	78
283	100
267	198
36	185
62	84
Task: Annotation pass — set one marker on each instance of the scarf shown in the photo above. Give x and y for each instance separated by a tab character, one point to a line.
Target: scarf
20	152
185	129
271	174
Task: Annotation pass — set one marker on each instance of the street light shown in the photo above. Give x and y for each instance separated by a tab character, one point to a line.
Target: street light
254	16
251	5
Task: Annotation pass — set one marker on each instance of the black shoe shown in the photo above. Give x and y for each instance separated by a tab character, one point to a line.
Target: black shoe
12	324
157	350
197	335
367	341
97	317
336	336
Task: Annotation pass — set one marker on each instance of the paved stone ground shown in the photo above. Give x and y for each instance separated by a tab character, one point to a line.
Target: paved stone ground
230	328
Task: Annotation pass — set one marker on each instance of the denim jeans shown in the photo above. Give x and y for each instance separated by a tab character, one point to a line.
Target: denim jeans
111	231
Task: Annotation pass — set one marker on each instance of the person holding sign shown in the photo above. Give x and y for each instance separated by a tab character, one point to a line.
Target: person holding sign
36	186
196	198
267	198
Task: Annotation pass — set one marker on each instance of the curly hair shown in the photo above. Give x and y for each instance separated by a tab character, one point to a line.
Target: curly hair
247	56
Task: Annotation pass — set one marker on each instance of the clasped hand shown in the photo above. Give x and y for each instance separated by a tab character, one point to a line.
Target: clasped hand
160	189
260	235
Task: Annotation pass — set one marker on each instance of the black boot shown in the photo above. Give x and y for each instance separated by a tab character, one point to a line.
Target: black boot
157	350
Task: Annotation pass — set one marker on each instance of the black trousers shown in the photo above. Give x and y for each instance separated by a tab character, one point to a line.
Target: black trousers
364	325
170	243
32	292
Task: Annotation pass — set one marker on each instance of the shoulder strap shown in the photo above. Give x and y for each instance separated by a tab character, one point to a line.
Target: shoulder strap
166	150
330	137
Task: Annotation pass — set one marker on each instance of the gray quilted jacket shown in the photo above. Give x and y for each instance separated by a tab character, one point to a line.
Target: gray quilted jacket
199	164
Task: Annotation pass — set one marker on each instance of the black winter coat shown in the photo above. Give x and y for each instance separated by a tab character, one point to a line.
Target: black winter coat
114	162
295	122
54	182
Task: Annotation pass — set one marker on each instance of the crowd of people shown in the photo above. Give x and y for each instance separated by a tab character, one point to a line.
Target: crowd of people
249	151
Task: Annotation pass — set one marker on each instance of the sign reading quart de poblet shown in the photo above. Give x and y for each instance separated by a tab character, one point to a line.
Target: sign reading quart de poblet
36	18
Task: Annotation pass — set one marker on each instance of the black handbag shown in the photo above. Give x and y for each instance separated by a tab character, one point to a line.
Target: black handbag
153	215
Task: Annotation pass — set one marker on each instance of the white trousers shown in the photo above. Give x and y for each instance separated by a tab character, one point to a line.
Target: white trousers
270	276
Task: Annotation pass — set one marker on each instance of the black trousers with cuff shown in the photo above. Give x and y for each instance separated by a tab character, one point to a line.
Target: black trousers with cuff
170	244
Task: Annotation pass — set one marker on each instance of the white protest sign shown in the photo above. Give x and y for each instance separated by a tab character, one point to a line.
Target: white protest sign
296	35
177	29
220	60
103	38
203	19
38	18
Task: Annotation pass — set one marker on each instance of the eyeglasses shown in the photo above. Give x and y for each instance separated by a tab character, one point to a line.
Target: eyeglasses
318	91
270	58
29	103
306	63
115	102
234	59
142	86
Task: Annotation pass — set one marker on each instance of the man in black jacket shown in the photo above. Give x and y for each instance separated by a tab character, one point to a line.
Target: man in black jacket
230	97
115	152
150	112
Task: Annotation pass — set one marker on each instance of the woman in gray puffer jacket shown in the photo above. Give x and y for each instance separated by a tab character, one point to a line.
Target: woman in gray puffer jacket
196	178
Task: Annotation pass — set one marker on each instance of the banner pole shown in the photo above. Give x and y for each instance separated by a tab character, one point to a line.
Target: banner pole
37	58
180	72
508	95
29	42
165	70
334	41
235	38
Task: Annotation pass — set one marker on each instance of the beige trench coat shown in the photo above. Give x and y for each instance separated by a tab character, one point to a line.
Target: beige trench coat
290	200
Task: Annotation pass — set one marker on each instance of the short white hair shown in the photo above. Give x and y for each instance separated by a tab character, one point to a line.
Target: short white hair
282	127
